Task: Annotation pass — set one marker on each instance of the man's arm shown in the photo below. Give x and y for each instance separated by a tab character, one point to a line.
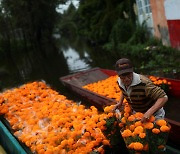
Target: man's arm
158	104
118	105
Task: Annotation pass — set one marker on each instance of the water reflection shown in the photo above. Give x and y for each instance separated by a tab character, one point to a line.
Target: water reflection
51	64
75	63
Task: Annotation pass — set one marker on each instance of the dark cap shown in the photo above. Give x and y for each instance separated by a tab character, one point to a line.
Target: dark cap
123	65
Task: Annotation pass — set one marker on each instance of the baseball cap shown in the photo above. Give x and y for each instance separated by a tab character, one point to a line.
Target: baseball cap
123	65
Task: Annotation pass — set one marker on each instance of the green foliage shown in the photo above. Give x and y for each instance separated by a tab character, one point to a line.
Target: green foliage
140	35
29	23
100	20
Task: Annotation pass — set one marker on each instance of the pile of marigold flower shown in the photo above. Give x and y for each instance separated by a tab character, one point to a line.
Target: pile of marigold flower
109	87
158	81
140	136
48	122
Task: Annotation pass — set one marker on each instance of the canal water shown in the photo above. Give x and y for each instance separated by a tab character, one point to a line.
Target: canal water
71	56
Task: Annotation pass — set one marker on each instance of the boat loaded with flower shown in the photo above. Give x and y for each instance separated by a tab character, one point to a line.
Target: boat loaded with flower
100	88
43	121
46	122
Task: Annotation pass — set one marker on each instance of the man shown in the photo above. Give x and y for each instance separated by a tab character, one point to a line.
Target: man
142	95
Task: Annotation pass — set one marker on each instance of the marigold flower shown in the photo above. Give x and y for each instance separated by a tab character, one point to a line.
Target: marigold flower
126	133
105	142
164	128
131	127
161	147
123	120
121	124
108	108
161	122
151	119
138	146
126	114
131	118
138	130
127	109
138	115
155	130
131	146
146	147
148	125
138	123
142	135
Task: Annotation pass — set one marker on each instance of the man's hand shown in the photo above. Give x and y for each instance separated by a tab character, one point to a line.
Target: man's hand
146	116
158	104
118	105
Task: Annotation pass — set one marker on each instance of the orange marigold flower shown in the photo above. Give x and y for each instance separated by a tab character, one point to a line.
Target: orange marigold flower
138	146
165	128
161	122
131	146
126	114
126	133
138	130
131	118
105	142
148	125
161	147
138	115
121	124
123	120
142	135
155	130
151	119
108	108
127	109
138	123
131	127
146	147
110	114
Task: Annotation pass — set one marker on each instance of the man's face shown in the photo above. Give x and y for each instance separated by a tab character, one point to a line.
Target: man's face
126	78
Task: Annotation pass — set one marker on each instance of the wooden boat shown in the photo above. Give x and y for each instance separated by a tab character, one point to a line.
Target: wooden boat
9	142
74	82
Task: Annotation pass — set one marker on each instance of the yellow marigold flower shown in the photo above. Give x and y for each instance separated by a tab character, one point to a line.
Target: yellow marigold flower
142	135
148	125
138	130
138	146
165	128
161	122
126	133
155	130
